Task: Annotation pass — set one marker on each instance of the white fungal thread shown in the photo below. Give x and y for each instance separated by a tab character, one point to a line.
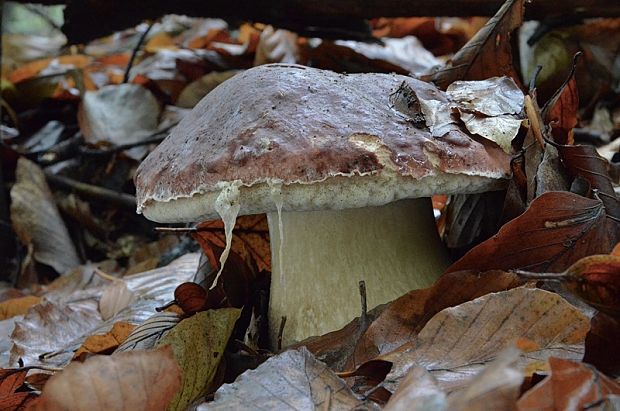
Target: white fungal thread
227	205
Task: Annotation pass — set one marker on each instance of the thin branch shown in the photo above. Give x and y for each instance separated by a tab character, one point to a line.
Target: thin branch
122	200
135	52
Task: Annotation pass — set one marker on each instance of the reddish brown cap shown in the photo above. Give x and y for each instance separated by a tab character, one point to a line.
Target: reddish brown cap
307	139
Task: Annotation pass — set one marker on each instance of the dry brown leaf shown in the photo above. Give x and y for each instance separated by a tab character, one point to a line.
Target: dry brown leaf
250	238
105	343
17	306
49	326
418	392
556	230
560	112
405	317
32	69
496	387
594	279
10	381
488	53
36	219
457	342
571	386
132	381
293	380
584	162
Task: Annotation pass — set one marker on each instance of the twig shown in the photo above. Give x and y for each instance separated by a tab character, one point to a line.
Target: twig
281	332
135	52
154	139
123	200
176	229
364	316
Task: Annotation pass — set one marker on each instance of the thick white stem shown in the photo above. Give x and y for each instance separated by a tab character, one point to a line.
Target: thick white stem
394	249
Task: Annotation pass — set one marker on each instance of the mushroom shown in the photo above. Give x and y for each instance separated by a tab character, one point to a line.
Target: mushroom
345	179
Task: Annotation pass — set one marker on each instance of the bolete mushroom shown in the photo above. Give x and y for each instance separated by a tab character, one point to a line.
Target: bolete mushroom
344	177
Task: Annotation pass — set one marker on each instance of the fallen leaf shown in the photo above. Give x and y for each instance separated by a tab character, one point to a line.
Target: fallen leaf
594	279
10	382
560	111
403	319
571	386
34	68
147	334
584	162
496	387
17	306
457	342
250	238
556	230
36	219
488	53
52	331
198	343
105	343
418	392
406	52
136	380
602	344
49	326
118	114
276	46
293	380
115	298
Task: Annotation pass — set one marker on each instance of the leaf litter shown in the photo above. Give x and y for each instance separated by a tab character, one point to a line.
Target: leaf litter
476	337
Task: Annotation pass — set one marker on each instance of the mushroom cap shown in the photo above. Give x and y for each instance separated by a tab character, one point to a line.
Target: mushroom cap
300	138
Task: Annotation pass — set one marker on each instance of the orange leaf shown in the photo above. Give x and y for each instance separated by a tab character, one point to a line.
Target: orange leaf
594	279
250	238
10	382
561	110
571	386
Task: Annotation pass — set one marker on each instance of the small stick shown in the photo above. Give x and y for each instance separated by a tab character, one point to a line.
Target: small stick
176	229
135	52
364	316
281	332
126	201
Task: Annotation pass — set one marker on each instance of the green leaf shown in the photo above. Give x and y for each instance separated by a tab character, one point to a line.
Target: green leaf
198	343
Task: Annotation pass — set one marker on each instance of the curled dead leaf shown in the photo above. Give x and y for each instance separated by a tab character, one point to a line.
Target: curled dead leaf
594	279
132	381
571	386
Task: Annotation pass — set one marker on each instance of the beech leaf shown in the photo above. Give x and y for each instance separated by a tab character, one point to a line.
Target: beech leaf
10	381
457	342
293	380
198	343
36	219
250	238
556	230
132	381
488	53
403	319
594	279
571	386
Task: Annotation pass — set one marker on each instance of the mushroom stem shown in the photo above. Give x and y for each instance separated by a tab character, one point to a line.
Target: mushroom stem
324	254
